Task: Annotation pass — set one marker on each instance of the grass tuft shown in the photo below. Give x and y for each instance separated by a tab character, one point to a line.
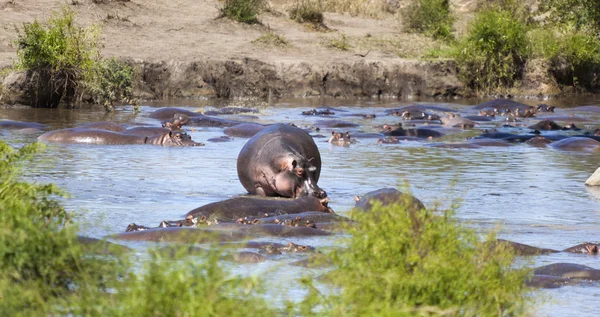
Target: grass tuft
243	11
271	39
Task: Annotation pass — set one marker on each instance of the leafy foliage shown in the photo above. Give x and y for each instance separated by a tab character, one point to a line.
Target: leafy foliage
430	17
40	259
244	11
492	56
112	82
65	60
582	14
64	52
401	263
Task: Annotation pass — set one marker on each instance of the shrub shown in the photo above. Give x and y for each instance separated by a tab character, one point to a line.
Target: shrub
574	55
41	262
418	263
582	14
492	56
430	17
244	11
62	55
307	12
112	81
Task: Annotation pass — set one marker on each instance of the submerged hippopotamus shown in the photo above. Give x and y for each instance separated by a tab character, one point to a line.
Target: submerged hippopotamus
191	118
103	125
240	207
386	196
281	160
105	137
576	144
341	139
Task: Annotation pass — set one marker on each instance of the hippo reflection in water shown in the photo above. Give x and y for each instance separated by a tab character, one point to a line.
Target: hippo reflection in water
104	137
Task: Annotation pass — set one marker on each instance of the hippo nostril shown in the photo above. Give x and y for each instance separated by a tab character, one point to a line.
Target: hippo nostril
320	194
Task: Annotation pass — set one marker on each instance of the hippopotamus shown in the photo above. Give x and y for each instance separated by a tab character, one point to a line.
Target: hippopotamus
546	125
524	249
569	270
178	121
98	246
549	281
247	206
417	108
182	235
104	137
281	160
296	219
193	118
220	139
576	144
244	130
502	105
169	113
335	124
146	131
269	247
22	127
456	121
419	133
230	110
315	112
340	139
103	125
539	141
387	196
542	107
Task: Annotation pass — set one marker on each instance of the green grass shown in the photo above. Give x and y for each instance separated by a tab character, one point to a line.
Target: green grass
399	263
243	11
492	55
341	43
307	12
430	17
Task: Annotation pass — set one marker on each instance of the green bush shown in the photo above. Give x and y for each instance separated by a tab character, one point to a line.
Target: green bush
582	14
112	82
574	55
430	17
492	56
307	12
61	53
400	263
244	11
41	262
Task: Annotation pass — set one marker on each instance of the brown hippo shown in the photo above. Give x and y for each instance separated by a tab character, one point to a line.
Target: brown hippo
569	270
104	137
146	131
244	130
387	196
545	125
240	207
456	121
341	139
182	235
502	105
281	160
420	133
195	119
576	144
103	125
19	125
169	113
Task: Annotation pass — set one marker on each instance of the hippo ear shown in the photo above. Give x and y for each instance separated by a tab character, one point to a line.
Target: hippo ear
170	133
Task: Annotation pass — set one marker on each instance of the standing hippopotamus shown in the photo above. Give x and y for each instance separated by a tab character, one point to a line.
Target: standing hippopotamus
280	160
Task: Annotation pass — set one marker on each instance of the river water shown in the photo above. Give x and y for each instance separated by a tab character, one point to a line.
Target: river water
533	195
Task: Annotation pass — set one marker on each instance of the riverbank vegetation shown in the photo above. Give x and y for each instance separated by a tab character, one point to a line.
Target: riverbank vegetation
400	262
395	262
65	65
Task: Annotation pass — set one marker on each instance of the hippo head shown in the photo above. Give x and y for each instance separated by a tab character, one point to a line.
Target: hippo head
179	120
173	138
297	177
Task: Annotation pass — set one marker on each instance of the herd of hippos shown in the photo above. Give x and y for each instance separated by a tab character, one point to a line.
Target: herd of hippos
280	166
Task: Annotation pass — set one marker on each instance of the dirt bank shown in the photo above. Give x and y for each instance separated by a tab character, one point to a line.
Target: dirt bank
182	49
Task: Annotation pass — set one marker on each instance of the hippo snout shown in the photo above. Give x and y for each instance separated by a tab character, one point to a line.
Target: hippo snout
319	193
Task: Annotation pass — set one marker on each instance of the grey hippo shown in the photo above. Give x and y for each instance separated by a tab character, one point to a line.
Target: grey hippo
248	206
386	196
105	137
280	160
